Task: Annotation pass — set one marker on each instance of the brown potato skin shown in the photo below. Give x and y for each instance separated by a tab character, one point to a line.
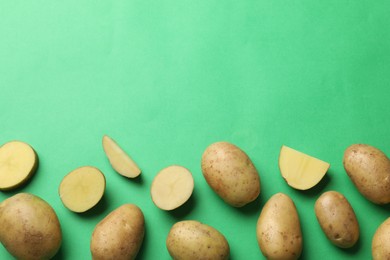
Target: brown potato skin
192	240
380	246
230	173
278	229
29	227
369	170
119	235
337	219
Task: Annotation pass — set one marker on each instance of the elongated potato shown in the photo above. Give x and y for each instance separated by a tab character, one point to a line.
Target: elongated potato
337	219
381	241
192	240
369	170
230	173
278	229
119	235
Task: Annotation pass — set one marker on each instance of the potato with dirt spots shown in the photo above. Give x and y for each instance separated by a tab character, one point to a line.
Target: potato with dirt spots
278	229
191	240
230	173
29	227
337	219
369	170
381	241
119	235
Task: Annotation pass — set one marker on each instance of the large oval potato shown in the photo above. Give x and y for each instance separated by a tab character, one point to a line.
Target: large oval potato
337	219
381	241
278	229
29	227
230	173
191	240
119	235
369	170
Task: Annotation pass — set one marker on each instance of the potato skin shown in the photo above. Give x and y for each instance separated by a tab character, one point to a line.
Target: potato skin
230	173
278	229
190	240
337	219
369	170
381	241
29	227
119	235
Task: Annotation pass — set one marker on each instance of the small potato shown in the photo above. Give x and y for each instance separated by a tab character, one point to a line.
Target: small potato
29	227
337	219
119	235
369	170
381	241
230	173
191	240
278	229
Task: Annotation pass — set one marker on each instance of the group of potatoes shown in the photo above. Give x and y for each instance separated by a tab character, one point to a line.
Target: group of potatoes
30	229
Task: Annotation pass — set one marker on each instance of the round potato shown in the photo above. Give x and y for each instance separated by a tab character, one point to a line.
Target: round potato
230	173
191	240
381	241
119	235
29	227
337	219
278	229
369	170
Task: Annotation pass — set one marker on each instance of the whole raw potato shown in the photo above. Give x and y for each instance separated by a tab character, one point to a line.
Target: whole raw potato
381	241
369	170
191	240
230	173
29	227
119	235
278	229
337	219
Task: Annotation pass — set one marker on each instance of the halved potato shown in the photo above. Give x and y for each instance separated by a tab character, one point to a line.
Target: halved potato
82	189
119	159
172	187
18	162
301	171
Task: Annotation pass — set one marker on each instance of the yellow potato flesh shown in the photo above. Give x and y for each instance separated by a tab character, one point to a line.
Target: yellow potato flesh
82	188
172	187
119	159
18	162
300	170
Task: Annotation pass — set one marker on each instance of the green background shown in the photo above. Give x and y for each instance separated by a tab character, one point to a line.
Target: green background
167	78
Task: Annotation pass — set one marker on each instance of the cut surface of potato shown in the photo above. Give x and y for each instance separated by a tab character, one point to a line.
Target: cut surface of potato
300	170
172	187
82	188
119	159
18	162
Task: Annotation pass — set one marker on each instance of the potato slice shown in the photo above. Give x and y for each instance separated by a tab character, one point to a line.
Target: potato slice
300	170
172	187
82	189
18	162
119	160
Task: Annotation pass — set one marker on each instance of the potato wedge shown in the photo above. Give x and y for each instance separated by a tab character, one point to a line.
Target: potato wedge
300	170
82	189
18	163
172	187
119	159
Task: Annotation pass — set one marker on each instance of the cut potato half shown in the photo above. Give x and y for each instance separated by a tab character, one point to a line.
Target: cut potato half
82	189
119	160
300	170
18	162
172	187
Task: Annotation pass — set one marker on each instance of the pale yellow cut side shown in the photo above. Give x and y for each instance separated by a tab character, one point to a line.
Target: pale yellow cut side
172	187
18	162
82	189
119	159
301	171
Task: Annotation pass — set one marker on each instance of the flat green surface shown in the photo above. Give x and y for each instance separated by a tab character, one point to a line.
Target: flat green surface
167	78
